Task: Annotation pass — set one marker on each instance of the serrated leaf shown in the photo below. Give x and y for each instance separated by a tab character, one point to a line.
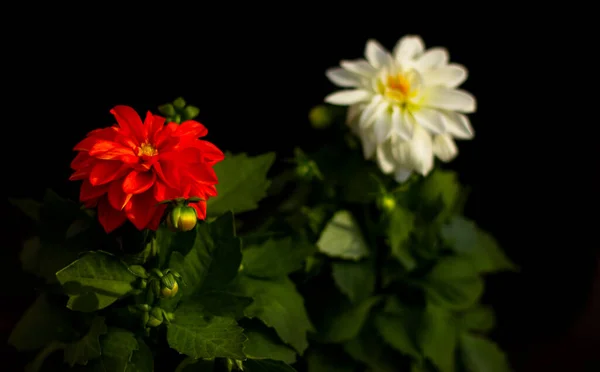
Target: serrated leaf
202	336
220	303
342	238
438	338
400	227
320	361
279	305
479	319
118	349
242	183
347	324
453	283
266	365
397	324
31	208
80	352
480	354
276	257
263	343
214	258
354	279
41	324
95	281
467	240
440	192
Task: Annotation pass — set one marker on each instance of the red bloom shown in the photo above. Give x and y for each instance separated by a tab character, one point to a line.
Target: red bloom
128	168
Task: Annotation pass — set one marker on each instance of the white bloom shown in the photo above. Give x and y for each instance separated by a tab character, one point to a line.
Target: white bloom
405	106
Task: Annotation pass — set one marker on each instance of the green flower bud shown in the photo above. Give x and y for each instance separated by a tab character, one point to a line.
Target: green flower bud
320	117
156	317
190	112
167	109
179	103
387	203
182	218
170	292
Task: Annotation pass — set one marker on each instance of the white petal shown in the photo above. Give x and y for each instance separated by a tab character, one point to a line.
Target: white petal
402	152
450	99
382	126
353	114
450	76
348	97
444	147
433	58
408	48
368	145
385	159
402	174
368	115
399	126
342	77
458	125
359	66
421	151
376	54
430	119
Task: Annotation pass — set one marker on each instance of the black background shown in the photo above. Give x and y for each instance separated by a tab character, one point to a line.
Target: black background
255	77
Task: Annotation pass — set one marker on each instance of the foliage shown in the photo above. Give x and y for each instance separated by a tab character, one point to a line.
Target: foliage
345	273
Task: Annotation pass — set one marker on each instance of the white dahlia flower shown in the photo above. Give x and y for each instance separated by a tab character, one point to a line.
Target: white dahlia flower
404	106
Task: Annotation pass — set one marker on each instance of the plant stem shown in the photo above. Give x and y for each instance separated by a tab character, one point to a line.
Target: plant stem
186	362
37	363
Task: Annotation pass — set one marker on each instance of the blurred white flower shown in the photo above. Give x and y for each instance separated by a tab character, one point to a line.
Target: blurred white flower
404	106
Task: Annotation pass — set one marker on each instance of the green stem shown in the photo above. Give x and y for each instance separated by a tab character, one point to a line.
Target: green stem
37	363
186	362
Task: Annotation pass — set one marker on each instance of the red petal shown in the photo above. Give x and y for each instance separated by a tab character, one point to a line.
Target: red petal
109	217
116	197
82	160
155	221
89	191
107	134
111	150
191	128
164	138
201	173
200	208
107	170
163	192
210	153
138	182
80	175
141	210
130	121
152	124
203	190
169	173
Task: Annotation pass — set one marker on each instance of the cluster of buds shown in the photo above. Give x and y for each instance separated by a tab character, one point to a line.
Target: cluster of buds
163	284
178	112
306	168
180	216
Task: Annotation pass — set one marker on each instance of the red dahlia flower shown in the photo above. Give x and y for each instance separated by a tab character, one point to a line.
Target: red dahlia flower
127	169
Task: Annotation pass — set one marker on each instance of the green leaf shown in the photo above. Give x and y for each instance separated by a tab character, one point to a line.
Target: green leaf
399	330
265	365
480	354
242	183
168	241
214	259
44	259
202	336
220	303
80	352
119	347
369	349
190	112
438	338
401	225
95	281
342	238
29	207
479	319
56	216
467	240
319	361
453	283
278	304
440	192
348	323
354	279
41	324
142	359
276	257
263	343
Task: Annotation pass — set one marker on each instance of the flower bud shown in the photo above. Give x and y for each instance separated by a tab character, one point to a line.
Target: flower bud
320	117
156	317
182	218
169	286
387	203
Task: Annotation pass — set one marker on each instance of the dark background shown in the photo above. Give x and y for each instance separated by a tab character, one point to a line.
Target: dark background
255	79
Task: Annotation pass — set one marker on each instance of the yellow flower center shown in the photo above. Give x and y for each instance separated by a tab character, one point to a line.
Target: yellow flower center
397	88
146	149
